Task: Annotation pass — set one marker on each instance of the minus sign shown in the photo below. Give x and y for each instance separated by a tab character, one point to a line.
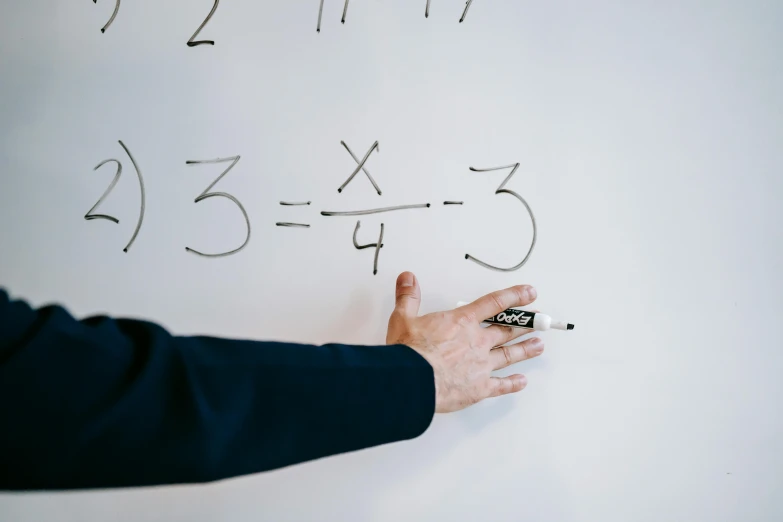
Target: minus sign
453	202
293	225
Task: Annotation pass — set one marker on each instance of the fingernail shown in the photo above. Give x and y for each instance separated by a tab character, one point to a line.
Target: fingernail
406	279
537	346
531	292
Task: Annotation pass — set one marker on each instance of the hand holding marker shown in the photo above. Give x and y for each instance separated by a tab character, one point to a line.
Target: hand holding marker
524	319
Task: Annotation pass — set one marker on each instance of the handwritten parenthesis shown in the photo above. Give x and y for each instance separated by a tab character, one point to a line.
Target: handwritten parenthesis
502	190
113	15
143	197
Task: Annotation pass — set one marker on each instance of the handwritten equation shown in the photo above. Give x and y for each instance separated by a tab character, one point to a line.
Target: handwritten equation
361	166
192	42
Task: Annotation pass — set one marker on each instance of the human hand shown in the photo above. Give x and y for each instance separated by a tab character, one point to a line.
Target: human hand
462	353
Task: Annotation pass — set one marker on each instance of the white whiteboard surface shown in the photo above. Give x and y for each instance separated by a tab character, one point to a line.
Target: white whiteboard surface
650	138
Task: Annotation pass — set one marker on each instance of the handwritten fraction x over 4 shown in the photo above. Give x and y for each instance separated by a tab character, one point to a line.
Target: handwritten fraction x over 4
361	166
192	42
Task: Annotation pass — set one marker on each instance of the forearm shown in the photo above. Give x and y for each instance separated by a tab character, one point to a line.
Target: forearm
116	403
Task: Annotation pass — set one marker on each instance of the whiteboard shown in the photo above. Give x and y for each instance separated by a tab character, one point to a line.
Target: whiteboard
648	137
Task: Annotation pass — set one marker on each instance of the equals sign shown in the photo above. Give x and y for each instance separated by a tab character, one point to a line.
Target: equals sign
293	204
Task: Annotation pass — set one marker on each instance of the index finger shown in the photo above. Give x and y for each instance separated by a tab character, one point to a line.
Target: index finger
500	300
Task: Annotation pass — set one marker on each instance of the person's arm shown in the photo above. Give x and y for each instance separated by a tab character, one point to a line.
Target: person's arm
101	402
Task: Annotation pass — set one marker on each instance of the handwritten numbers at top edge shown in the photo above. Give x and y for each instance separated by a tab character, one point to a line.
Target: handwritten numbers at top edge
465	12
462	18
321	12
192	42
113	15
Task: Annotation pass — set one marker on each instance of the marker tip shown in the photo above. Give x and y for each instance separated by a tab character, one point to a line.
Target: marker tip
570	326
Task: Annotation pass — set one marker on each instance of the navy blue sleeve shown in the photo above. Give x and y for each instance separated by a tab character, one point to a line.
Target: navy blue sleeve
104	403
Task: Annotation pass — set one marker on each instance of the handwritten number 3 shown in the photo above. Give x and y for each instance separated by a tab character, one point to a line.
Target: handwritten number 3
207	194
191	43
502	190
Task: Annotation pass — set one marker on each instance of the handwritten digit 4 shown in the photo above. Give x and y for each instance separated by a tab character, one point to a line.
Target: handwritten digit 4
502	190
377	245
191	43
207	194
113	15
356	243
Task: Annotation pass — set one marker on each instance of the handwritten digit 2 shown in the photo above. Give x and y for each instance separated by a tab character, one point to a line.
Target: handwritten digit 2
90	216
207	194
502	190
191	43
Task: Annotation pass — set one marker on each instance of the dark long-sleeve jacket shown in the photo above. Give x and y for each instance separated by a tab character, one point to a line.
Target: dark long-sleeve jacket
104	402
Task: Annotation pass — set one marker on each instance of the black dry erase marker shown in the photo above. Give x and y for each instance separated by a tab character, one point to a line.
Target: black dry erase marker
525	319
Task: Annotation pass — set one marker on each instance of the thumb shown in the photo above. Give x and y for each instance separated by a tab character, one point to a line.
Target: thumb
408	295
